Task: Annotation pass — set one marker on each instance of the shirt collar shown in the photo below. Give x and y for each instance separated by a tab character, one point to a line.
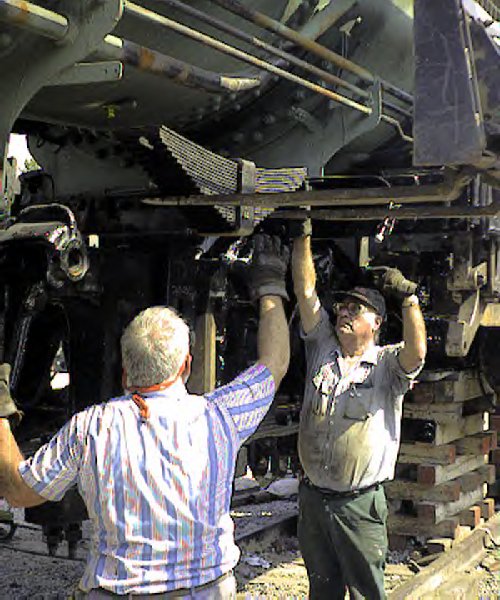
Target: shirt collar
176	390
369	356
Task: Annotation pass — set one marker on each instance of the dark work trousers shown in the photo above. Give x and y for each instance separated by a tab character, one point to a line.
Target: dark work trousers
343	541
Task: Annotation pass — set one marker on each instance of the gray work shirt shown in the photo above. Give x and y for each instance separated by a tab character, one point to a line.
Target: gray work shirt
350	427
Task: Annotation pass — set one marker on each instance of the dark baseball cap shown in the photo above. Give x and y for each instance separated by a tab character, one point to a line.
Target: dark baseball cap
369	296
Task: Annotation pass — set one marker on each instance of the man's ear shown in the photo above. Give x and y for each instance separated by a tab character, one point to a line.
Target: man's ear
378	323
186	371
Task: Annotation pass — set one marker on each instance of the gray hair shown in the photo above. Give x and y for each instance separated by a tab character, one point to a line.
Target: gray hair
154	346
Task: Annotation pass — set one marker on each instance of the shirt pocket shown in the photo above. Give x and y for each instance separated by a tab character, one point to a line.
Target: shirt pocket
359	404
324	383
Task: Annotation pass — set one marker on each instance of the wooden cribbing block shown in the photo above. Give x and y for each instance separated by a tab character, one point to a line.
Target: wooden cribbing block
463	387
428	453
470	481
495	422
438	545
471	517
440	412
403	524
398	541
495	456
435	512
480	443
411	490
487	508
449	432
436	474
449	491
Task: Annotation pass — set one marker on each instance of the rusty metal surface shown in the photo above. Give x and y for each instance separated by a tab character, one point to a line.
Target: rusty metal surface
150	16
441	192
34	18
310	45
270	49
402	214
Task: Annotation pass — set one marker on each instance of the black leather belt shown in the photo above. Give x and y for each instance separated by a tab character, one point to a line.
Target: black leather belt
339	494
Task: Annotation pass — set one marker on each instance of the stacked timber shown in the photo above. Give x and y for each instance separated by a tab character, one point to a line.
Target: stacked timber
443	466
495	454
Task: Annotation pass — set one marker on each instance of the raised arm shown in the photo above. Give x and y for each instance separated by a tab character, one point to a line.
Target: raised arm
267	284
12	486
273	337
413	353
304	279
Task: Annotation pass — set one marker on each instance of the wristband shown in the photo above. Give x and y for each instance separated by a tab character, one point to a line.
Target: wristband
410	301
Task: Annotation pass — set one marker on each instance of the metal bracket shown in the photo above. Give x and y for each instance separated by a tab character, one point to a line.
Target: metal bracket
465	275
84	73
43	60
67	257
461	332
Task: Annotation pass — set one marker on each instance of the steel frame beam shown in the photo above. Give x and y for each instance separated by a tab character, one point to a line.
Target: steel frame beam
445	191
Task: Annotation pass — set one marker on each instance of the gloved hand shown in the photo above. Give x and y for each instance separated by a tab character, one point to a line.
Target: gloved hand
300	227
393	281
7	405
269	266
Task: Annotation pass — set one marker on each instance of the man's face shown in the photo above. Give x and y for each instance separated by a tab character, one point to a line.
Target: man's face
356	320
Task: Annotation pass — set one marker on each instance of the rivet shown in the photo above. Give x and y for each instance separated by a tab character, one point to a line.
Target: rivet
269	119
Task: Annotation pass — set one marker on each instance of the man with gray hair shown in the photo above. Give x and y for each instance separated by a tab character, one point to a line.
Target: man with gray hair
350	424
155	466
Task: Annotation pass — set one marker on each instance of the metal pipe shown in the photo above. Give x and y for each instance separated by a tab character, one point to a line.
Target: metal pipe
395	123
177	70
283	31
55	26
397	109
34	18
258	43
326	18
143	13
52	25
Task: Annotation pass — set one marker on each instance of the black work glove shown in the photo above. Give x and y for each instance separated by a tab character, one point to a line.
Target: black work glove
268	269
300	227
8	409
394	282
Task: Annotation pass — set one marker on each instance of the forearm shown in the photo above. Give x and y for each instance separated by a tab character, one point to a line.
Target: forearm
304	283
414	335
303	271
273	337
10	457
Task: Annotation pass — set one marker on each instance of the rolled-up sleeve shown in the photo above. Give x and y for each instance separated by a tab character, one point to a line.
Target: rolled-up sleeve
320	339
247	399
400	381
53	469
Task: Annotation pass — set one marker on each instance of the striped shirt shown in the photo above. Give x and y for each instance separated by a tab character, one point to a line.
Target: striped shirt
157	492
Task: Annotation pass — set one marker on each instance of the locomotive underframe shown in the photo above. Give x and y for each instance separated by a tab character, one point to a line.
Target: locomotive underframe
114	224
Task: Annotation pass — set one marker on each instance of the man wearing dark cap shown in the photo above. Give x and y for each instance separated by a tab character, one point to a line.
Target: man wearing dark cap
350	426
